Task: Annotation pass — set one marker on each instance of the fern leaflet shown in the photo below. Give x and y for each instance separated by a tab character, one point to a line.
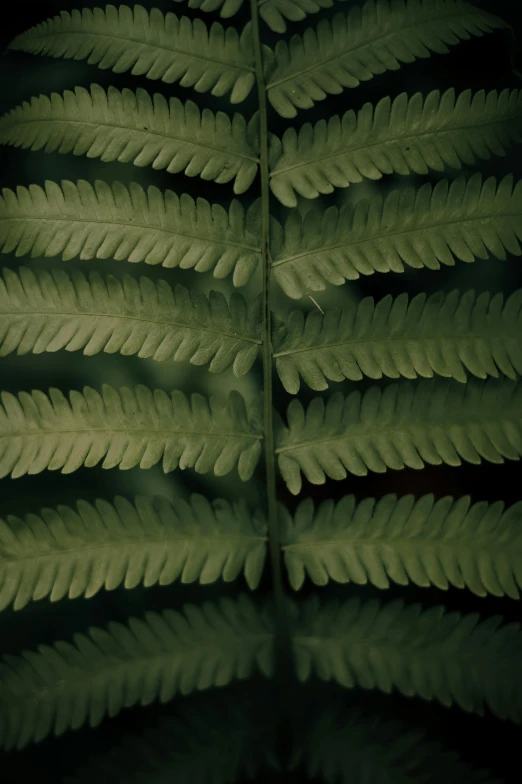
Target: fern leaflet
131	224
448	657
402	425
433	225
445	334
354	47
408	134
48	311
77	552
425	542
154	658
125	428
155	45
137	128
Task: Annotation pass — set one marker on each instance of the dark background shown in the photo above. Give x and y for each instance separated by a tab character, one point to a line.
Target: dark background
491	62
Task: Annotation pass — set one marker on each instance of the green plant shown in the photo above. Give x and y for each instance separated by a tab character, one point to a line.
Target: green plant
465	416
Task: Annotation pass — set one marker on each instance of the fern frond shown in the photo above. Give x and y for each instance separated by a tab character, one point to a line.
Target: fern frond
432	654
78	552
354	47
132	224
408	134
138	128
356	747
402	425
65	686
126	428
48	311
445	334
425	227
150	44
425	542
217	739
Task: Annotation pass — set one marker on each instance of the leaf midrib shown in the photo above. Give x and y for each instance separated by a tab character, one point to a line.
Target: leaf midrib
129	39
128	224
93	314
128	431
420	540
375	39
454	337
114	662
430	646
439	131
113	126
135	542
408	427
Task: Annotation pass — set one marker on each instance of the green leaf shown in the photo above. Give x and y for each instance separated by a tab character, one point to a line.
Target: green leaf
77	552
445	334
68	685
354	47
432	654
140	129
401	136
401	425
217	738
132	224
425	227
126	428
151	44
425	542
48	311
358	748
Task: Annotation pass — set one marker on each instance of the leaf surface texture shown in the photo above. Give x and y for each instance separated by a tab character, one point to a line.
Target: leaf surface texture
125	428
418	228
48	311
72	552
129	223
369	40
135	127
432	654
443	334
145	660
403	540
402	425
151	44
407	135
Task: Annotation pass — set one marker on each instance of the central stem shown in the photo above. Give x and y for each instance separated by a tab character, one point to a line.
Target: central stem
268	427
